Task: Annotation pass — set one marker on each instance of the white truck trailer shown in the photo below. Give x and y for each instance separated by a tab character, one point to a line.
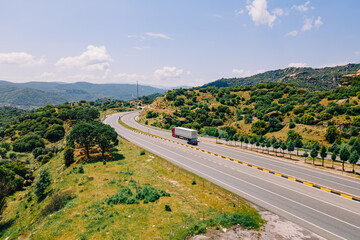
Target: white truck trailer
184	133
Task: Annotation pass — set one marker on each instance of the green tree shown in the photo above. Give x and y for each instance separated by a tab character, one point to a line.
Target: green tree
236	138
252	141
298	144
268	144
314	154
344	156
356	147
42	183
305	155
291	125
354	158
3	153
246	141
4	190
283	147
333	158
242	139
55	133
28	143
83	134
259	127
276	145
68	156
316	146
334	148
323	154
290	147
332	134
106	137
273	140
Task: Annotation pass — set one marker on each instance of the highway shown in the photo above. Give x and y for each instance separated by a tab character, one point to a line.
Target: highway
326	214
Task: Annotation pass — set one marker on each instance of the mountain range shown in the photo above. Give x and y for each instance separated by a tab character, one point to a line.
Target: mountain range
37	94
313	79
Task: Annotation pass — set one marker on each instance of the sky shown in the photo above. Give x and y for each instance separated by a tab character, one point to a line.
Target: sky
172	43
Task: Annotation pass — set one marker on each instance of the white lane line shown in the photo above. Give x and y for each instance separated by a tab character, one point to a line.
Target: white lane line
195	170
285	168
318	172
278	162
254	185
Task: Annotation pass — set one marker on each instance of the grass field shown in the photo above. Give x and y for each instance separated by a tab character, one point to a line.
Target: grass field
195	203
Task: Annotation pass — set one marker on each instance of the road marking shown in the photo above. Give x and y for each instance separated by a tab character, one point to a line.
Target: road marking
195	170
339	193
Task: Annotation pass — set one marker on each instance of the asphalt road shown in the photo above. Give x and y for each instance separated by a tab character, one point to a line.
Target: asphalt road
326	214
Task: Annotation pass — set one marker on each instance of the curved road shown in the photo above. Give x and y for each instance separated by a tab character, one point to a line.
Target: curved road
326	214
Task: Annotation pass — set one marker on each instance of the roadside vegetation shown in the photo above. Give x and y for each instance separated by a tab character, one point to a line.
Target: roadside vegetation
278	114
65	175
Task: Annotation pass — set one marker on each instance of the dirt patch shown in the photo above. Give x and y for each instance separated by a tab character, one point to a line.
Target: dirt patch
276	228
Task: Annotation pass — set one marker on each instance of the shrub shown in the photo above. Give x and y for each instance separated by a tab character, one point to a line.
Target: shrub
167	208
57	202
142	153
12	156
42	183
6	145
291	125
68	156
28	143
193	182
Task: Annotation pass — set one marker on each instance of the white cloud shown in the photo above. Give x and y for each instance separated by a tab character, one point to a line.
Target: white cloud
292	34
94	58
297	65
259	13
158	35
318	22
168	72
20	58
239	12
304	7
308	25
141	47
278	12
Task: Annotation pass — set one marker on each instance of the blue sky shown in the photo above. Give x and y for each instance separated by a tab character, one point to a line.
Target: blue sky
172	43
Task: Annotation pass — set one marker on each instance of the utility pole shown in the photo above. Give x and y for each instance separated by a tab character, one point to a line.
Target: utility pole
137	89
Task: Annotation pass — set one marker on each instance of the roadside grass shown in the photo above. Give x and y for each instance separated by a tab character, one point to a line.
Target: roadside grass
86	215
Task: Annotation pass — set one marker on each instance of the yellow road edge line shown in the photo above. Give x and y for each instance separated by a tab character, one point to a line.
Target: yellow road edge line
253	166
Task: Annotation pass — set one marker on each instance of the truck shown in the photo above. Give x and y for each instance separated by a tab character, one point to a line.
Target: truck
185	133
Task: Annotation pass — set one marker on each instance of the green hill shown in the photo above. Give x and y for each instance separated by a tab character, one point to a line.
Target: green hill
313	79
38	94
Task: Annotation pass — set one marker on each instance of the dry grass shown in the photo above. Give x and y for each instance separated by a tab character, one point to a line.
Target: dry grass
87	216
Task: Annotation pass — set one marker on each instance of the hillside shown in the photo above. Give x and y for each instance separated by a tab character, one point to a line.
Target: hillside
9	114
28	98
267	109
313	79
69	176
38	94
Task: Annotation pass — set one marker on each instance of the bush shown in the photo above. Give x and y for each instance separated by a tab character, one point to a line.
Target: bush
42	183
68	156
291	125
6	145
28	143
12	156
55	133
142	153
57	202
124	196
193	182
167	208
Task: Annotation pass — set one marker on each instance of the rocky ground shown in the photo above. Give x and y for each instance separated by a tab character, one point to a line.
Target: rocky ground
276	228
